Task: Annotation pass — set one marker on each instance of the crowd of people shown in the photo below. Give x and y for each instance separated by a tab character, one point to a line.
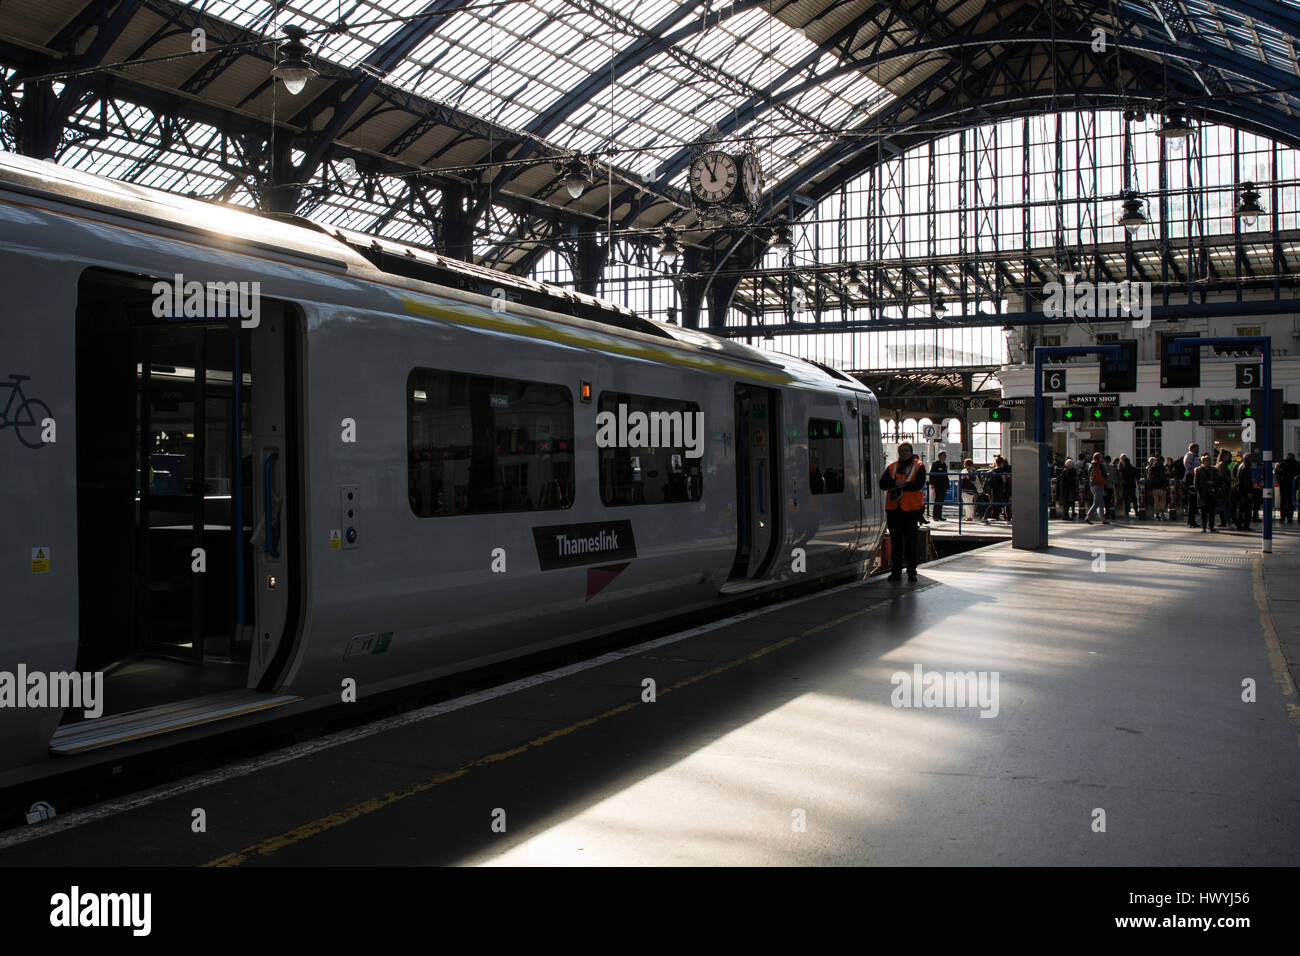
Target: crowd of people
983	495
1231	488
1102	488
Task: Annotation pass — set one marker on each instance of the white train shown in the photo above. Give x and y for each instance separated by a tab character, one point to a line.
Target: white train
434	466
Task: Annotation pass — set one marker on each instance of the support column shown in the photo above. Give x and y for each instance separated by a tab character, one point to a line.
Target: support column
589	263
692	288
457	222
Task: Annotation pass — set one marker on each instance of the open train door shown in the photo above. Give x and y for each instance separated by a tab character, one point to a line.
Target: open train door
185	427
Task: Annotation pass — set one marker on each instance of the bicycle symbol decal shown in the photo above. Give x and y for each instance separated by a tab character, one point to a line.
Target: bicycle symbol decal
25	415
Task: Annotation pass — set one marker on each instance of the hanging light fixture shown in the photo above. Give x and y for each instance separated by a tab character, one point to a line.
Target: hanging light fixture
669	247
1248	208
781	239
291	66
853	284
1132	218
940	307
1175	130
576	179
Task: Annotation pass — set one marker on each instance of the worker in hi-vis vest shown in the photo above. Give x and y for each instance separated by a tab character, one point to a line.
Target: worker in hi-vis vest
902	482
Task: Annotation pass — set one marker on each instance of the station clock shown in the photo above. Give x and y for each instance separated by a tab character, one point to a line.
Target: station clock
714	176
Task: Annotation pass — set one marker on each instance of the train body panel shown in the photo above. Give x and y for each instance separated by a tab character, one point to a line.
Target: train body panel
370	550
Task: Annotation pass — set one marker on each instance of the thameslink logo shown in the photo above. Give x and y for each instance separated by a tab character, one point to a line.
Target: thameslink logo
74	908
179	299
1102	300
592	542
654	430
603	541
58	689
923	688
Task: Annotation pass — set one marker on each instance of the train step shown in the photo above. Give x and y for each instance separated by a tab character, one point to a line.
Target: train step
746	584
93	734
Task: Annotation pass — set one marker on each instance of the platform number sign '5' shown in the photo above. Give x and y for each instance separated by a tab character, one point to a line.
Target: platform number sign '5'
1248	376
1054	380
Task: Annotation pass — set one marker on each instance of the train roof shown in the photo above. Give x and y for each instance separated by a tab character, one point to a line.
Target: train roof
361	253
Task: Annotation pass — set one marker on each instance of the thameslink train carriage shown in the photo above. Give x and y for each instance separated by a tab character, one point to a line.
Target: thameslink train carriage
376	464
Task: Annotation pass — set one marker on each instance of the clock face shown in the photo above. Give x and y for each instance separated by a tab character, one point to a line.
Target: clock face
713	176
752	178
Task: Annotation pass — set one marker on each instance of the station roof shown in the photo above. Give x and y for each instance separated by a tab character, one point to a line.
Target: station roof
476	98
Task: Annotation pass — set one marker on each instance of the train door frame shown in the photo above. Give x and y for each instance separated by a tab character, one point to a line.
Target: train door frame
264	591
758	489
856	406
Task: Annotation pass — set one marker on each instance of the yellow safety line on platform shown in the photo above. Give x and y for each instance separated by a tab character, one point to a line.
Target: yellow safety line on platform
330	821
1276	659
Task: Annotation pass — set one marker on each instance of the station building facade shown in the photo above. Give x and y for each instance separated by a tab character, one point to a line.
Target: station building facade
1141	439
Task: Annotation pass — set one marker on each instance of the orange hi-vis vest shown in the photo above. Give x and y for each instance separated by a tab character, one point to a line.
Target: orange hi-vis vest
907	500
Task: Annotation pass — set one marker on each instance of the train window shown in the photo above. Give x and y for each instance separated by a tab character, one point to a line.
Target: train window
651	449
825	456
479	445
868	482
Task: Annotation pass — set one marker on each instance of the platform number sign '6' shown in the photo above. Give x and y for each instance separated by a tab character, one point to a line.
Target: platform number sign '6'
1053	380
1248	376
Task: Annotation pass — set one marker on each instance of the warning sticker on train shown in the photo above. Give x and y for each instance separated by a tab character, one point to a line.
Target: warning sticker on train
40	560
573	545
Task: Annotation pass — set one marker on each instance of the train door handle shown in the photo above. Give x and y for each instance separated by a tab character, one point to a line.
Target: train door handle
272	544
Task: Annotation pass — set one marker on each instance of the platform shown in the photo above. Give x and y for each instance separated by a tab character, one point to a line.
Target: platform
774	738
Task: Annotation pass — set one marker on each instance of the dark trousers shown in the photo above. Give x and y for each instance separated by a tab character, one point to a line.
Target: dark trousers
902	538
1207	513
1288	503
1191	507
939	495
1241	515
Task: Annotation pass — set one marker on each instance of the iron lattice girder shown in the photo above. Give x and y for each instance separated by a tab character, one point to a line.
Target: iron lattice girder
380	62
841	158
54	111
1105	255
408	37
1265	121
1260	73
1246	308
1269	12
113	89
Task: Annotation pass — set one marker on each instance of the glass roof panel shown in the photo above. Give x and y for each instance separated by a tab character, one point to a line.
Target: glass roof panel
511	62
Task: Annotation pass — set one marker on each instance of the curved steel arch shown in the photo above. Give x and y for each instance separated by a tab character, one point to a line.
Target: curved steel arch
868	152
1264	75
1019	105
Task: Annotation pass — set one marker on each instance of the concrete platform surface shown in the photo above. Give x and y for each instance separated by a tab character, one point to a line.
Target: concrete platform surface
1131	702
